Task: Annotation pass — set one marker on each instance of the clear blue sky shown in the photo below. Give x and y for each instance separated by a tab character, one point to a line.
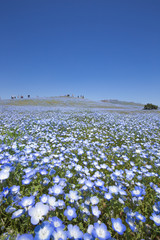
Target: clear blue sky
103	49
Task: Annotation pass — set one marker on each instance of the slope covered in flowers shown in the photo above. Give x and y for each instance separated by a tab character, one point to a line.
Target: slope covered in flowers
79	175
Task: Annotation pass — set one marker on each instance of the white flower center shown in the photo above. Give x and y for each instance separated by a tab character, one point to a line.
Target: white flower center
157	219
43	233
100	232
70	212
117	226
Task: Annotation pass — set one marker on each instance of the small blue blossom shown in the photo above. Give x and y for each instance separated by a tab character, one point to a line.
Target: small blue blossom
155	218
27	201
43	231
96	212
100	231
37	212
25	237
118	226
74	232
17	213
70	213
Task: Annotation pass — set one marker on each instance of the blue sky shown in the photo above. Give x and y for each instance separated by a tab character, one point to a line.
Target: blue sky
102	49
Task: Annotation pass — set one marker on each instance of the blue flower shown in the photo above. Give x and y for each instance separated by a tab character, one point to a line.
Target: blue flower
17	213
56	179
113	189
140	217
94	200
43	171
156	207
43	231
5	191
88	236
74	232
100	231
155	218
4	175
59	234
52	203
118	226
26	181
60	204
37	212
96	212
44	198
131	222
56	222
15	189
56	190
25	237
73	195
27	201
108	196
70	213
137	192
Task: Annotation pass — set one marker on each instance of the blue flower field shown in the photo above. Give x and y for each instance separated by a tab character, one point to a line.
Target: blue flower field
79	174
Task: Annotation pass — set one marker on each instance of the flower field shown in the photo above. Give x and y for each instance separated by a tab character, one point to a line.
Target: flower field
79	175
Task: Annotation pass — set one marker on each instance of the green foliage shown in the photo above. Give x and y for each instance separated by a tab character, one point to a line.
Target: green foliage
150	106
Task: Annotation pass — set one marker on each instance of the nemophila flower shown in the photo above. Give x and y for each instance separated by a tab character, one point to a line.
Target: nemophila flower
73	195
56	179
118	226
26	181
99	183
96	212
78	168
137	192
85	209
44	198
56	190
62	182
113	189
45	181
5	191
155	218
157	189
59	234
140	217
10	209
25	236
94	200
100	231
37	212
4	175
15	189
17	213
74	232
43	171
43	231
89	183
80	151
87	236
156	207
69	174
108	196
131	223
56	222
52	202
27	201
70	213
90	229
60	204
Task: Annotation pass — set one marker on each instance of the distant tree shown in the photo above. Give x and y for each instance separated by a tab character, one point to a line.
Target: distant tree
150	106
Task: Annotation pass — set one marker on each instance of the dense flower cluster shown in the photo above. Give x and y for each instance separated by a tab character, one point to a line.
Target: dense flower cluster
79	175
